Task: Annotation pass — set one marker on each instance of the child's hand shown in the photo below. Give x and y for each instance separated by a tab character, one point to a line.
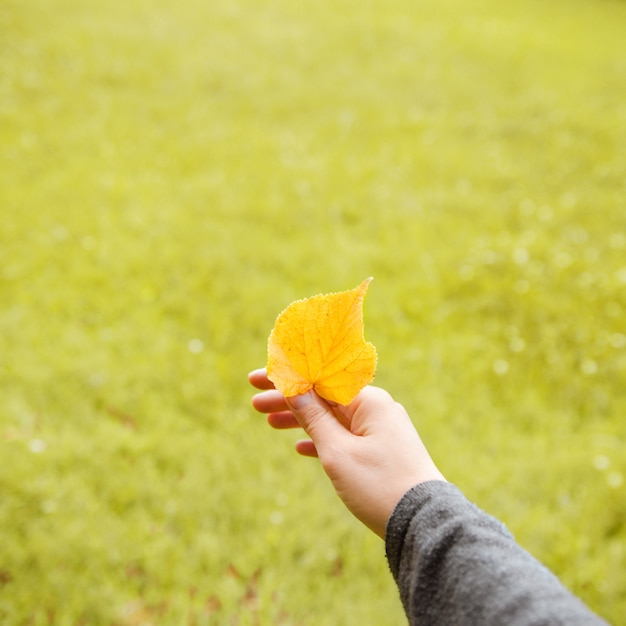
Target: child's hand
369	449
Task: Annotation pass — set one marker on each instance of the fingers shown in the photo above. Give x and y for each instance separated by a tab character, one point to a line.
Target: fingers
258	378
306	448
282	420
317	418
270	401
273	403
308	411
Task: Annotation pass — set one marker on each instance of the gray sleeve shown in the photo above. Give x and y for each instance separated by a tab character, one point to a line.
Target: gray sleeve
454	564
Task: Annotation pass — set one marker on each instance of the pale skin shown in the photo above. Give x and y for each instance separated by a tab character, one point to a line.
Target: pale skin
369	449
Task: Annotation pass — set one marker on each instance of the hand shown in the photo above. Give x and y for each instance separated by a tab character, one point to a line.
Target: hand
369	449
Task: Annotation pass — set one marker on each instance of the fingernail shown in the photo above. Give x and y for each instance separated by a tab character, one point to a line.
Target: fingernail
297	403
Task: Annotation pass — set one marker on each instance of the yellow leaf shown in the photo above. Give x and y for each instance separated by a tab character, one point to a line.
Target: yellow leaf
318	343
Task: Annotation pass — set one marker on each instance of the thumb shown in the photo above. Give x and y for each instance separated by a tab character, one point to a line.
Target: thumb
316	417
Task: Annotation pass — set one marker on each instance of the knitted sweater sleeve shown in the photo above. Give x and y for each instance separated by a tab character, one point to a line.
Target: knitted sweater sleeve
454	564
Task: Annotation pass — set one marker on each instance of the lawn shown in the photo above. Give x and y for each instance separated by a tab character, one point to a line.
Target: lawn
174	172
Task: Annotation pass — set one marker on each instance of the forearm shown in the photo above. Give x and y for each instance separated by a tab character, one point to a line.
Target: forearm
454	564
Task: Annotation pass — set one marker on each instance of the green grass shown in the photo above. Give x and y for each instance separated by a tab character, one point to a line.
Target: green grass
173	173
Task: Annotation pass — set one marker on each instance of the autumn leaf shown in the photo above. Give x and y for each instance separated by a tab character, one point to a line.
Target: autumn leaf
318	343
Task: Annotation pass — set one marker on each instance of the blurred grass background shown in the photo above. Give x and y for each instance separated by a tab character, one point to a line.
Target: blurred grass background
174	172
